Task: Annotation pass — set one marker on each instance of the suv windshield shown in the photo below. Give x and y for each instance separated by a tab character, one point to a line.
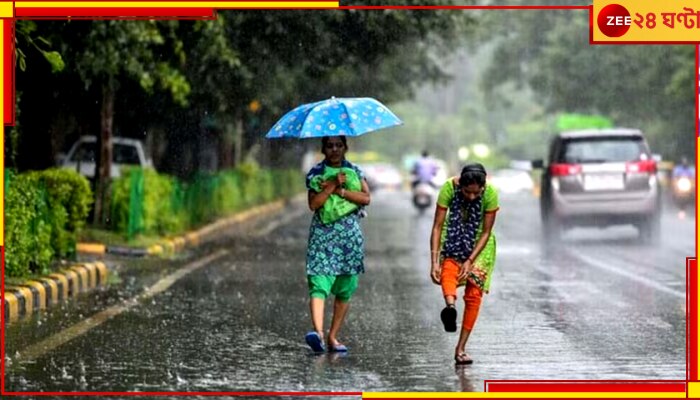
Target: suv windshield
606	149
121	154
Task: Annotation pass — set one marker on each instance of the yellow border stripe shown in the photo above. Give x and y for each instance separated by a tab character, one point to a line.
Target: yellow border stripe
64	282
693	389
102	270
95	248
41	290
54	289
6	9
84	277
28	299
183	4
526	395
72	278
92	271
12	304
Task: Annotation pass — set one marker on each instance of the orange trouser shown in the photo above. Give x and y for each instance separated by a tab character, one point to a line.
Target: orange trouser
472	293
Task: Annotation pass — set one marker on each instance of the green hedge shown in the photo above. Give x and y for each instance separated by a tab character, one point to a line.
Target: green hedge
166	206
146	202
44	213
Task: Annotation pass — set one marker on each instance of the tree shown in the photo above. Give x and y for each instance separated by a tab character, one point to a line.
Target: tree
106	51
646	87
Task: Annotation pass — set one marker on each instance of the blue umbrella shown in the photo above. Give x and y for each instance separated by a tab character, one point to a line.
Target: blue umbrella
334	117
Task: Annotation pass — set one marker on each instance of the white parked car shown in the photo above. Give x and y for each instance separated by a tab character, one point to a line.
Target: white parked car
82	155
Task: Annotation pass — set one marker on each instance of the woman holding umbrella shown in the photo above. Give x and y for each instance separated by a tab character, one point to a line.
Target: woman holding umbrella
337	191
335	255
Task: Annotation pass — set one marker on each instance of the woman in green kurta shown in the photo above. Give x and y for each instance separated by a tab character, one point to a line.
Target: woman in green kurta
335	255
463	248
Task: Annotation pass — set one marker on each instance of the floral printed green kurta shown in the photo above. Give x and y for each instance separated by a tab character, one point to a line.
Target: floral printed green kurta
336	248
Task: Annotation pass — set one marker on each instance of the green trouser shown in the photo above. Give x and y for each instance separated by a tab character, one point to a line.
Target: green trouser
341	286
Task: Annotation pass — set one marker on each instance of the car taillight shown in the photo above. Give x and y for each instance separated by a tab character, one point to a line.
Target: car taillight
564	169
647	166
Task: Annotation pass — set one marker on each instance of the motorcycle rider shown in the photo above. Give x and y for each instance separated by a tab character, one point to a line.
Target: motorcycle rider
424	170
684	169
683	178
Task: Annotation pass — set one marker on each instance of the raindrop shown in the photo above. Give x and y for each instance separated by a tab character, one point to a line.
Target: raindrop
64	374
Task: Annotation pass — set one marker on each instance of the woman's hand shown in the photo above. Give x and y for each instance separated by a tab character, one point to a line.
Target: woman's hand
435	271
331	185
465	269
340	178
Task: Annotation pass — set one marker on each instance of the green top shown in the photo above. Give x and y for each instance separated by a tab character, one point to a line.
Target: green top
336	207
486	260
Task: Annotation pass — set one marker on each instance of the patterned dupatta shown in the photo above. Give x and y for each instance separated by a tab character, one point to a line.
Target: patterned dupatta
463	222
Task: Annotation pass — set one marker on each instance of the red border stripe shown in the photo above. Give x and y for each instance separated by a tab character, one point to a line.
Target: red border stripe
9	72
588	387
115	12
691	320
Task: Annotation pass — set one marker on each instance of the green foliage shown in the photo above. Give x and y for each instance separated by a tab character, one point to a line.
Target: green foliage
25	36
155	210
645	87
45	212
170	207
69	199
114	48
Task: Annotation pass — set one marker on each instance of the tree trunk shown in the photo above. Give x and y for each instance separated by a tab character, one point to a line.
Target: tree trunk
103	162
238	142
227	146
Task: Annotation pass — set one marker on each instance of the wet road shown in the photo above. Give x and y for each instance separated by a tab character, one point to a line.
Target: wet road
597	306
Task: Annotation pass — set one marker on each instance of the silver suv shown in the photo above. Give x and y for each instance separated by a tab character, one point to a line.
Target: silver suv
599	178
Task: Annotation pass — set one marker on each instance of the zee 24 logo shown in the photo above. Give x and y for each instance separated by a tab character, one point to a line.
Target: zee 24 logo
614	20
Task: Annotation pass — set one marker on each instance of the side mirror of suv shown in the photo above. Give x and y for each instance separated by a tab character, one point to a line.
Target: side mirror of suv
537	164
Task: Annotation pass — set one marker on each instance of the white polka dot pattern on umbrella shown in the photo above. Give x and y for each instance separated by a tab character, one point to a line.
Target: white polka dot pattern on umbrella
335	117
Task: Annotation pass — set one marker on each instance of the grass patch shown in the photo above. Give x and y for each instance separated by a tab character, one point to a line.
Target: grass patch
110	238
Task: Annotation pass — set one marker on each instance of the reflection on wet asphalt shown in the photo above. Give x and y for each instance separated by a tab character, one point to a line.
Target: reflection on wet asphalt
567	312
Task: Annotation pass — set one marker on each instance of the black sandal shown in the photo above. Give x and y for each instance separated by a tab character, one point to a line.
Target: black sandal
448	316
463	359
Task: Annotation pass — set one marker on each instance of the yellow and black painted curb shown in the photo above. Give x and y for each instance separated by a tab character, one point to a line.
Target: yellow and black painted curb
190	239
40	293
